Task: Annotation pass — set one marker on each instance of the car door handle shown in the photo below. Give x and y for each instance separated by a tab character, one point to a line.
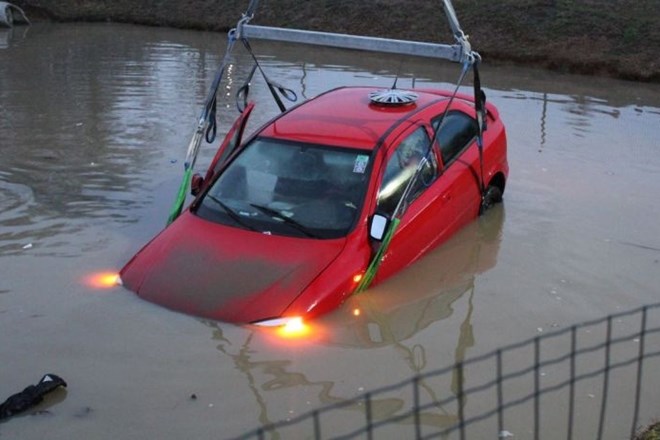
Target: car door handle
446	196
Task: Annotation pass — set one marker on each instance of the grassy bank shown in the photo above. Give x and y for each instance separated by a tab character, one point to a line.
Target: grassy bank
618	38
650	433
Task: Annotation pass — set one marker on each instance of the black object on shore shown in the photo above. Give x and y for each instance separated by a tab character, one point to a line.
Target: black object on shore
30	396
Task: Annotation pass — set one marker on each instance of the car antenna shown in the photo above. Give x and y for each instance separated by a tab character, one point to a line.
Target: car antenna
396	77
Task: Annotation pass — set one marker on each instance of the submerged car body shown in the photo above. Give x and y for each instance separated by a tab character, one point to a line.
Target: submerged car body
280	224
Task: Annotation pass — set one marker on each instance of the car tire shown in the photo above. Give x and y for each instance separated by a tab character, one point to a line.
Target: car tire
492	196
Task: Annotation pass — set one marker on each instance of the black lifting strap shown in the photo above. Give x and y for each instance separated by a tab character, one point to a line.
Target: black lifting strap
480	109
211	130
288	94
244	91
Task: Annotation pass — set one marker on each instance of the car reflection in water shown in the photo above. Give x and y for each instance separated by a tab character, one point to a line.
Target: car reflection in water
389	315
423	293
12	36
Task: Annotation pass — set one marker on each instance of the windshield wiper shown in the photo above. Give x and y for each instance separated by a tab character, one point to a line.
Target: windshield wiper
289	221
232	214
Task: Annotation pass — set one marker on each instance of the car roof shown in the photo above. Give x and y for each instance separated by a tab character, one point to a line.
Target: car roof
345	117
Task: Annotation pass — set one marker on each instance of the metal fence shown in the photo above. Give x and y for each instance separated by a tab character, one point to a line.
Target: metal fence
598	379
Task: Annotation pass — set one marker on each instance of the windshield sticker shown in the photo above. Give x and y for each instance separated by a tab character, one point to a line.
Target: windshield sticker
360	164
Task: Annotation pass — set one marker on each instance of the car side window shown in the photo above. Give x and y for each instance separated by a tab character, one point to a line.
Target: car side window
457	132
400	169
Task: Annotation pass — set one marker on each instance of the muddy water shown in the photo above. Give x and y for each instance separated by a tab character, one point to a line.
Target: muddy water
94	122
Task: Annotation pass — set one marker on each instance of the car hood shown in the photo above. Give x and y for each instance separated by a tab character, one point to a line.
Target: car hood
230	274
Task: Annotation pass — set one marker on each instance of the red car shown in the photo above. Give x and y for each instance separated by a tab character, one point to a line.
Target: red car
285	224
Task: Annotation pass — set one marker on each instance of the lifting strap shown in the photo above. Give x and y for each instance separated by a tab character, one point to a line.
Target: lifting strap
274	87
480	113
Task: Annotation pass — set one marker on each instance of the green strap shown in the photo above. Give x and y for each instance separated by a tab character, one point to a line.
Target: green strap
180	197
372	269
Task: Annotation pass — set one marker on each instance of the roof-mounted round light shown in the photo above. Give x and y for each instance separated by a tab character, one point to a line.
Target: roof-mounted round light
393	97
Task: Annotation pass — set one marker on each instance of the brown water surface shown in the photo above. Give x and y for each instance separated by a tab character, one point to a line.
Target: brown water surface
94	122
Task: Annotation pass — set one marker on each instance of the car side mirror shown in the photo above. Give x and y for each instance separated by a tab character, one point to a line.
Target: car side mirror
196	184
378	226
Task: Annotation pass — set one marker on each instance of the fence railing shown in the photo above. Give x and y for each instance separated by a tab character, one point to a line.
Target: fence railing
591	380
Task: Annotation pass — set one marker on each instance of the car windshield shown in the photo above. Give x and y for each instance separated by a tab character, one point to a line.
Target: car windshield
288	188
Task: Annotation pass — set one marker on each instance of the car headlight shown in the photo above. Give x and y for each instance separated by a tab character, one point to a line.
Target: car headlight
280	322
291	326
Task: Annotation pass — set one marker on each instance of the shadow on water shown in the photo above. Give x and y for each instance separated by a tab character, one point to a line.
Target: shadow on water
388	315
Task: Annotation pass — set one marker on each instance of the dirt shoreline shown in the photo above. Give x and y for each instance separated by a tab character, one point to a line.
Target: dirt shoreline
614	38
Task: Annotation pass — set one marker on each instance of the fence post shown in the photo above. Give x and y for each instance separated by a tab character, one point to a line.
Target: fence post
500	393
537	387
461	401
571	392
367	410
606	377
317	425
418	428
640	358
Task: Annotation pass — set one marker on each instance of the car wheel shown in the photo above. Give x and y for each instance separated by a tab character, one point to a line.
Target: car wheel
492	196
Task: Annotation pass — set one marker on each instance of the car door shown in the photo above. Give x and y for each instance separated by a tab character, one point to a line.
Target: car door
460	167
420	221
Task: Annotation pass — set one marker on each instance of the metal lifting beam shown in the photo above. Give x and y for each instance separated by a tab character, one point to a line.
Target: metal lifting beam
345	41
460	52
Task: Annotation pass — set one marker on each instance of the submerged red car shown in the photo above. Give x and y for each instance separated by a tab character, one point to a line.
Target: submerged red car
285	223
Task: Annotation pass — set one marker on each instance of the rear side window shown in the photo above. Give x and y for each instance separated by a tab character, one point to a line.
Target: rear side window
457	133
